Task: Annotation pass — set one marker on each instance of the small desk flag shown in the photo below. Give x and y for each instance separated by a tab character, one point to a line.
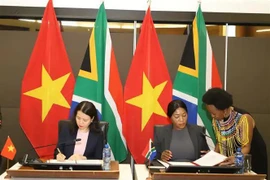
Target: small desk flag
9	150
149	151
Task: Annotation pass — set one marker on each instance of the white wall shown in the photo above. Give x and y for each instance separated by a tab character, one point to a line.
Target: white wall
236	6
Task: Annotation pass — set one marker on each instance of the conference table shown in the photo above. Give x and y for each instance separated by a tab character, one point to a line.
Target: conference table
124	174
142	173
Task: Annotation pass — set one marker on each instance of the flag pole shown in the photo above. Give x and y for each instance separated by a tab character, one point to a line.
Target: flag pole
149	173
149	2
0	118
134	48
7	163
226	58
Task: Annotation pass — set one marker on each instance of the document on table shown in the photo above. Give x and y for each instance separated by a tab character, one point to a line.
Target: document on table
166	165
212	158
173	163
90	162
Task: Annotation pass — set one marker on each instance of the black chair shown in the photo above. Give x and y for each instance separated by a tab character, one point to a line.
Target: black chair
104	128
103	125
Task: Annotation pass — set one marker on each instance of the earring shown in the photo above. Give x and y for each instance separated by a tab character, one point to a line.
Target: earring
225	114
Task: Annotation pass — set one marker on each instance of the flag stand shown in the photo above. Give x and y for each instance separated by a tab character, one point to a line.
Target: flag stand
7	163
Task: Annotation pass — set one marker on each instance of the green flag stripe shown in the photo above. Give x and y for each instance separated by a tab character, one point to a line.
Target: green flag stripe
85	88
102	39
150	152
202	31
114	137
189	82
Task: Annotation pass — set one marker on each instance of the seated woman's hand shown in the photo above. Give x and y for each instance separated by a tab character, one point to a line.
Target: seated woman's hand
166	155
228	161
83	157
77	157
60	157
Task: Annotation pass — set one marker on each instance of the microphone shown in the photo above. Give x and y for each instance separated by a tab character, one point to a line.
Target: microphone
205	135
62	143
25	160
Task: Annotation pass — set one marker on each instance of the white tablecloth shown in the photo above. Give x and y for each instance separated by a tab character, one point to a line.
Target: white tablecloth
141	172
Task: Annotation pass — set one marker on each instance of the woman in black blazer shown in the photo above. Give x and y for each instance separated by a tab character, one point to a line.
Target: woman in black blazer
179	141
85	126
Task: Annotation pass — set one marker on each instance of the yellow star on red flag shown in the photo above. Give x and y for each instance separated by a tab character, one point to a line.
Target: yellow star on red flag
9	151
50	92
148	100
11	148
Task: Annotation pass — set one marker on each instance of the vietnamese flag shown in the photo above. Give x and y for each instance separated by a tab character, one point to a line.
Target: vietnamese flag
147	92
9	150
47	86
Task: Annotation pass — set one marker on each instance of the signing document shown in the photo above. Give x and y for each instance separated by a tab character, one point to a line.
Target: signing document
211	158
86	162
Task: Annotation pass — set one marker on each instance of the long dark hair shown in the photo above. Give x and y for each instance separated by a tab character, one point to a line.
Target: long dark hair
175	104
89	109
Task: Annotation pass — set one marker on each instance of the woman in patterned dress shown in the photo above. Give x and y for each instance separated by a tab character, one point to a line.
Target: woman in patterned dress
235	128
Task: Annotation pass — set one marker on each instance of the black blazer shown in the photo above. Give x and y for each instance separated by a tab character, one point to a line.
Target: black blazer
94	145
163	137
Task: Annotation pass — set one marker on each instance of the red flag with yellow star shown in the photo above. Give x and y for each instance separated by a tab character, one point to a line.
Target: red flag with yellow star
9	150
148	91
47	86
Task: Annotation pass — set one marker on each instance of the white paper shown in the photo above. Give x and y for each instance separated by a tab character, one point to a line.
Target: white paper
166	165
212	158
156	167
90	162
173	163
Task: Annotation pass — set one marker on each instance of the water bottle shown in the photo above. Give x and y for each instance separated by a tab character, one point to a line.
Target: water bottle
239	160
106	157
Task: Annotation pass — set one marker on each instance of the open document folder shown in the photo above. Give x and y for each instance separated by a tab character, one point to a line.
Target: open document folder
211	158
205	164
68	165
88	161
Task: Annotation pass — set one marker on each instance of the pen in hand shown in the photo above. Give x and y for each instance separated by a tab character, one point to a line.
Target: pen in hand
60	156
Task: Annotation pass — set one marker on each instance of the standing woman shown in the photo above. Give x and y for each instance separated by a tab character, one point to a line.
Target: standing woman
235	128
85	126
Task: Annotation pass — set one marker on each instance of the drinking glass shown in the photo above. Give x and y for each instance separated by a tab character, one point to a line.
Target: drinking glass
247	163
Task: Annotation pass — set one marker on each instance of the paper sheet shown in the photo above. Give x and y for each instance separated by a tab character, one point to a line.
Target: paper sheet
212	158
90	162
173	163
166	165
